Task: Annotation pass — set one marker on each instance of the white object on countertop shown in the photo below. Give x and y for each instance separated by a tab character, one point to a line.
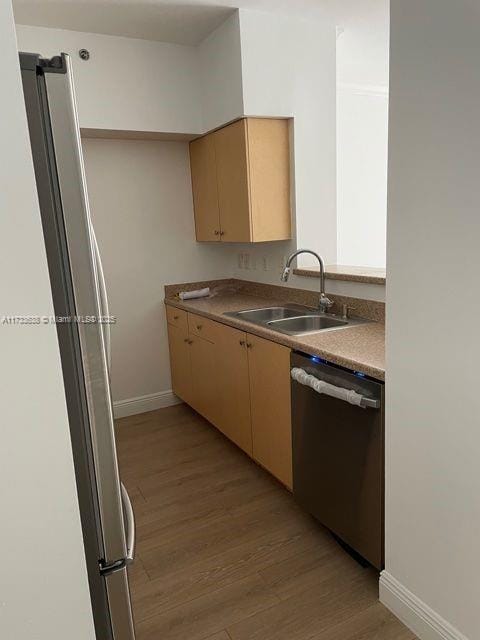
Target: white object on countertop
320	386
199	293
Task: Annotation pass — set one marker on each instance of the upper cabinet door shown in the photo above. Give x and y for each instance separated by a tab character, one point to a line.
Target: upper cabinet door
204	187
231	152
269	178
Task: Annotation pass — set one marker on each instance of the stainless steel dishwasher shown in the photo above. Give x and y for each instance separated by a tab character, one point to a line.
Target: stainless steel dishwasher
338	452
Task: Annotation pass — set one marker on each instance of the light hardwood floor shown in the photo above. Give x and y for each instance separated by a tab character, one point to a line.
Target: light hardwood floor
224	553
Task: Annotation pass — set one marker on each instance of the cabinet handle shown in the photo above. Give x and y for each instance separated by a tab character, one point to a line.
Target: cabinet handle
199	326
216	232
186	340
242	343
190	342
222	233
175	317
249	345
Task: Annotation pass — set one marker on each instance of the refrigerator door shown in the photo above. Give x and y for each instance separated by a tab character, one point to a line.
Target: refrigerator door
36	107
87	292
85	277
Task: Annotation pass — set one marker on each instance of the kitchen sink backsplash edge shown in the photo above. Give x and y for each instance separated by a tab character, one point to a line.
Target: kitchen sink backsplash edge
361	308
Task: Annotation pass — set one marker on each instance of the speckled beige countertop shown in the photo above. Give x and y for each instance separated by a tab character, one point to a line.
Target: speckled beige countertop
361	348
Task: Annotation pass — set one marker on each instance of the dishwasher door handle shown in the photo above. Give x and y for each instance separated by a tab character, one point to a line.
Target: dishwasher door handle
322	387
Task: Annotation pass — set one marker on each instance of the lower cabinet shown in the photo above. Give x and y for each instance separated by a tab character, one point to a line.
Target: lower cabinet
270	406
237	381
180	365
233	386
204	376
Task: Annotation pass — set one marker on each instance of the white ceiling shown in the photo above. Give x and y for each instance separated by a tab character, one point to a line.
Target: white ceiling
175	20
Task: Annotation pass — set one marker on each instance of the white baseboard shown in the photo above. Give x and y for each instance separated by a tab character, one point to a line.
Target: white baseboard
414	613
150	402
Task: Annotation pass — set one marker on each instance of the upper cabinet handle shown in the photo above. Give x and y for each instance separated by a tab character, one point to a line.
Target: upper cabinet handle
242	343
222	233
175	317
199	326
216	232
249	345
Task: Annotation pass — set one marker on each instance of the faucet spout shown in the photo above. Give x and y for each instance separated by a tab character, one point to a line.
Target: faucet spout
324	302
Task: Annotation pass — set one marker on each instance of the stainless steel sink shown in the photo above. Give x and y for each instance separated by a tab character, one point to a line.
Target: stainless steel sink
307	324
268	314
294	320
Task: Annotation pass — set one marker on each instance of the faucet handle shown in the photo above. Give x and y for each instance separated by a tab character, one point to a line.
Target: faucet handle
325	303
345	309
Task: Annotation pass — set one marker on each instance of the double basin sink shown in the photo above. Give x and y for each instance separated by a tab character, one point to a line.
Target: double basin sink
294	320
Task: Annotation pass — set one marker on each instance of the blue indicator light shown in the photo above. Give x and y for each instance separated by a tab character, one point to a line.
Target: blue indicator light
359	374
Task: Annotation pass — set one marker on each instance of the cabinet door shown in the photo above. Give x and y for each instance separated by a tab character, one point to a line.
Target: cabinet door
204	387
269	175
180	365
233	391
232	179
269	367
204	187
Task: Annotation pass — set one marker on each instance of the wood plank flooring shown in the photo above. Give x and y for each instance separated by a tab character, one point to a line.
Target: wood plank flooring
223	551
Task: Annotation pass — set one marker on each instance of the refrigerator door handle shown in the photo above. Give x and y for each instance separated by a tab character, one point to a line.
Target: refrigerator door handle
130	525
103	300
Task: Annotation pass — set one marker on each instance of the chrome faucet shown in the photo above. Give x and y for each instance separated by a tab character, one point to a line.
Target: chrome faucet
324	303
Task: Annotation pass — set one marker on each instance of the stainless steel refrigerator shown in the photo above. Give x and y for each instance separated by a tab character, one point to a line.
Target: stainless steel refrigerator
81	310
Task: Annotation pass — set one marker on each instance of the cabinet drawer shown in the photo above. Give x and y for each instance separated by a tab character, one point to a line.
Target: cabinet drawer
202	327
177	317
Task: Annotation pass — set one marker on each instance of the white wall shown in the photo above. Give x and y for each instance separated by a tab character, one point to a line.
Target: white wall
253	64
433	404
362	136
288	69
43	582
275	255
128	84
221	87
141	202
362	158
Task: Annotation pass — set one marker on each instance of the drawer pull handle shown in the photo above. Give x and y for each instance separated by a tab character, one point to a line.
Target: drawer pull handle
242	343
176	317
199	326
249	345
186	340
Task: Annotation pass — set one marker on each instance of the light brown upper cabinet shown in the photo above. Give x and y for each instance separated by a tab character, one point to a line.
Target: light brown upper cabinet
204	187
241	182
